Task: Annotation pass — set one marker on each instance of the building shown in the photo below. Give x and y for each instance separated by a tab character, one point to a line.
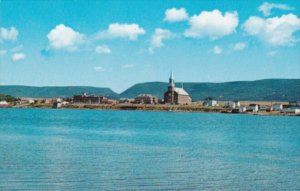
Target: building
232	104
176	95
57	103
3	104
146	99
277	107
126	100
253	108
265	108
88	99
210	102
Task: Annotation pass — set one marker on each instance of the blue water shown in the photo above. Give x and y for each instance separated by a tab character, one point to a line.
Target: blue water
47	149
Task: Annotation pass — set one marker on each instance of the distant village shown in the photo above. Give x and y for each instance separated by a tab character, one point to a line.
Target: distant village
174	96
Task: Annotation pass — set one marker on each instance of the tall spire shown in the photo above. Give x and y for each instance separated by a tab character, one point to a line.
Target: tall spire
171	80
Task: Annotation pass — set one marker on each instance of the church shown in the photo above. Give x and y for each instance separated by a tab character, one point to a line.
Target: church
176	95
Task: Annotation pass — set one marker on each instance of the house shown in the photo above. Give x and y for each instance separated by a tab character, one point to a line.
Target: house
232	104
146	99
294	103
242	109
253	108
176	95
295	110
3	104
109	101
126	100
277	107
265	108
88	99
57	103
210	102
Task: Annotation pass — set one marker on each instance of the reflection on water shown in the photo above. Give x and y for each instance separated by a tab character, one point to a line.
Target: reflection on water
43	149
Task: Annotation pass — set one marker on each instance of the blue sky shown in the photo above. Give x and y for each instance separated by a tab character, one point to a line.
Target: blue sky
119	43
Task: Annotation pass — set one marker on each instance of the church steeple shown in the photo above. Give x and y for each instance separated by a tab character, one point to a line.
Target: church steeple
171	80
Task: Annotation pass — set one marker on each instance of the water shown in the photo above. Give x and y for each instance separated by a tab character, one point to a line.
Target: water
46	149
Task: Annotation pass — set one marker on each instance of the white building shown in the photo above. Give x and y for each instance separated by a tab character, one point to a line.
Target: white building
277	107
3	104
295	110
232	104
242	109
210	102
253	108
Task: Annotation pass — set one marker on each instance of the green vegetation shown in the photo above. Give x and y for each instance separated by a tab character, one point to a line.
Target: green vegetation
260	90
7	98
49	92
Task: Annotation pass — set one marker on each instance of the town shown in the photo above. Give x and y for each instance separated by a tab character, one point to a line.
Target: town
174	99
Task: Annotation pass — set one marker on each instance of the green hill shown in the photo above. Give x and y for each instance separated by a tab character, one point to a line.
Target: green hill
49	92
260	90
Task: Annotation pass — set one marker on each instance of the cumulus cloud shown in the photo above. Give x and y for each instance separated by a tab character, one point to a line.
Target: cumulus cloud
217	50
127	31
3	52
99	68
128	66
158	37
18	56
10	34
239	46
212	24
64	37
175	15
275	30
103	49
266	8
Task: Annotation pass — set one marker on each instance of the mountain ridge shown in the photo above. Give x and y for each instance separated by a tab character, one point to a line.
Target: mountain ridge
259	90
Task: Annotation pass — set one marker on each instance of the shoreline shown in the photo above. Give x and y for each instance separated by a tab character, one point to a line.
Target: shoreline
158	107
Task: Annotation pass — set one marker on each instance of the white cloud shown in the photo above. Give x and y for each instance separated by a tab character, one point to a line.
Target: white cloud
64	37
158	37
212	24
128	66
10	34
99	68
176	15
103	49
18	56
275	30
266	8
117	30
239	46
3	52
217	50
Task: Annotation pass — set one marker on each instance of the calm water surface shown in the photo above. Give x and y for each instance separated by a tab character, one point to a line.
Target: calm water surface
46	149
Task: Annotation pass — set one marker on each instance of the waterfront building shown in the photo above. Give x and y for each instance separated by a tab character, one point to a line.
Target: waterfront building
265	108
232	104
253	108
146	99
277	107
210	102
88	99
3	104
126	100
176	95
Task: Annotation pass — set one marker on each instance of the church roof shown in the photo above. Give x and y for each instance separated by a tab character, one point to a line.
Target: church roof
181	91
